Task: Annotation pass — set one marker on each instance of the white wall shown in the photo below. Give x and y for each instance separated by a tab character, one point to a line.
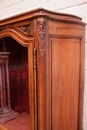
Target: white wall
77	7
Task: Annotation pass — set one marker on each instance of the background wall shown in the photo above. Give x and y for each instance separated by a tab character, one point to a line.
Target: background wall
78	7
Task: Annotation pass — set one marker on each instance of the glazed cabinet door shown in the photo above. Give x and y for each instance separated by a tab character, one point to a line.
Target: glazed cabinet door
63	100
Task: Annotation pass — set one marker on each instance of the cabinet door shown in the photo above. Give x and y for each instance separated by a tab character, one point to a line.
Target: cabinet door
65	70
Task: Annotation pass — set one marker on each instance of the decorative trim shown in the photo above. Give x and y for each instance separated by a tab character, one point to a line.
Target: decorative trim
18	35
42	49
41	29
26	29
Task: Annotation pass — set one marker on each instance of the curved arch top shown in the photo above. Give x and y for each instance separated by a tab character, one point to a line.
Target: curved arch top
17	35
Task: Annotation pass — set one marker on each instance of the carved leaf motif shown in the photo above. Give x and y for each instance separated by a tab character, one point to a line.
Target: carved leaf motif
26	29
41	31
41	49
41	36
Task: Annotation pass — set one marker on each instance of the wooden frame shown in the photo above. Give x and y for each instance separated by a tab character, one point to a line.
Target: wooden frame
29	43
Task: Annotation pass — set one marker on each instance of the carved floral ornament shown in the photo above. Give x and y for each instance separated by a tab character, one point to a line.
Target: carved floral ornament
41	31
41	28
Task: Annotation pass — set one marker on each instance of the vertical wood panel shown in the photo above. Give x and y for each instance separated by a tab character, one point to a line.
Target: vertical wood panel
65	83
31	87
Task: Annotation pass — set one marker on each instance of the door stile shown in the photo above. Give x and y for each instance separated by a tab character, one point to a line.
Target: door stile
35	85
31	86
32	65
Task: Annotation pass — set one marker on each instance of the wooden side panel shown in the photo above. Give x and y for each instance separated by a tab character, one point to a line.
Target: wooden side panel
65	57
59	28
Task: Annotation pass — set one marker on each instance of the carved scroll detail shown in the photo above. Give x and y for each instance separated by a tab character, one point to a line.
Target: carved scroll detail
26	29
41	28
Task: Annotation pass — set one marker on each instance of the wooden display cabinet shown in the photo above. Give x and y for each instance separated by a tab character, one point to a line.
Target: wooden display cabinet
55	45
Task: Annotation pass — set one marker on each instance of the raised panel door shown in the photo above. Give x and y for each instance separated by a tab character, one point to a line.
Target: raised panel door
65	69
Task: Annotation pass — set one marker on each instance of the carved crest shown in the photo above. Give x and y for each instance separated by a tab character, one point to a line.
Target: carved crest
41	28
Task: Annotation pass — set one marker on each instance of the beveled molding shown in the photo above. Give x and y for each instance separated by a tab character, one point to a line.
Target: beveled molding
31	14
17	35
41	33
25	27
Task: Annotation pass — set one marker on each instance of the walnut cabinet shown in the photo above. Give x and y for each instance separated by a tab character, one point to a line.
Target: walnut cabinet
55	44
